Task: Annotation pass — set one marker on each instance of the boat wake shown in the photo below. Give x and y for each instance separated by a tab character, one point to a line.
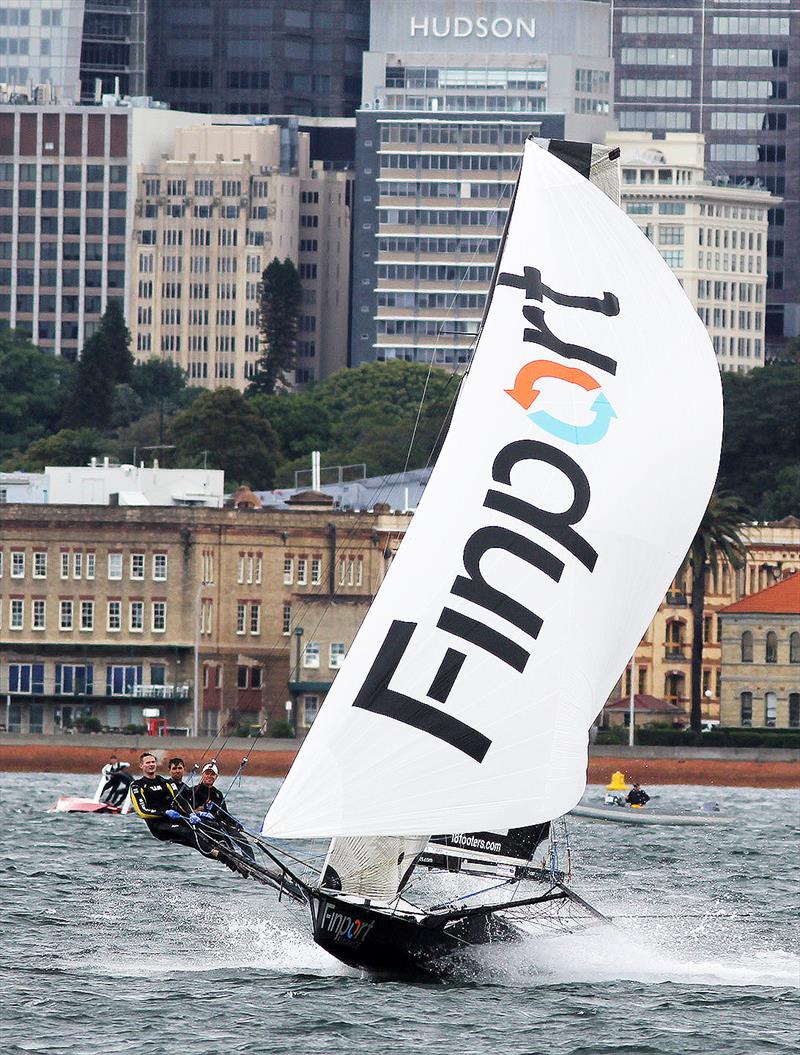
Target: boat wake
646	955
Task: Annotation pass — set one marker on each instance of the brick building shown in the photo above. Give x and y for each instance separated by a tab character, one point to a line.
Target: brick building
760	637
102	608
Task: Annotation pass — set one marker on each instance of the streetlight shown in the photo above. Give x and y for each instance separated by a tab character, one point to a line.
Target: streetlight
196	692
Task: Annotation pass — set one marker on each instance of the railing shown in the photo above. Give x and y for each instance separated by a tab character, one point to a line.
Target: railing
161	692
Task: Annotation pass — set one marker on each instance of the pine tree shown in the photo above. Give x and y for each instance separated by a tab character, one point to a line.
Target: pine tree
90	399
279	309
119	358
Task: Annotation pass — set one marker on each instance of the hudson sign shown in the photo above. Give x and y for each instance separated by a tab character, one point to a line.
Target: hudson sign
464	26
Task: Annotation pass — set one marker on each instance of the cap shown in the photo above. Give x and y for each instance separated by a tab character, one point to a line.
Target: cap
211	767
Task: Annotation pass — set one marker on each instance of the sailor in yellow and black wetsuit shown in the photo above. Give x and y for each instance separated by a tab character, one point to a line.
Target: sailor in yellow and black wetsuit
154	799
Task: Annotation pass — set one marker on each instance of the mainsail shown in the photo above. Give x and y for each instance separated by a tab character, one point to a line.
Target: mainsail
561	505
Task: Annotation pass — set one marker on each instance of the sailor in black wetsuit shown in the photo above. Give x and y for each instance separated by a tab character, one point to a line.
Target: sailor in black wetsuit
637	796
208	802
177	771
115	789
153	798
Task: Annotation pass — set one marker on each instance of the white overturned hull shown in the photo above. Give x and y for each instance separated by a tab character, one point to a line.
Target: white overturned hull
627	815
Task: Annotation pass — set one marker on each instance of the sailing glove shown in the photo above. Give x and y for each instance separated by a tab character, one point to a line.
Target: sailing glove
206	816
173	815
195	818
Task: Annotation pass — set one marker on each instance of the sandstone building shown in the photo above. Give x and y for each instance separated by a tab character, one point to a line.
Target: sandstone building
102	608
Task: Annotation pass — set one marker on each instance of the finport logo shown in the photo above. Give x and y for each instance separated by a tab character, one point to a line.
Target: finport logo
526	393
342	927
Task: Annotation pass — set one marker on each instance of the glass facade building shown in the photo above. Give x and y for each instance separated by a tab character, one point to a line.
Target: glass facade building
448	102
258	56
729	70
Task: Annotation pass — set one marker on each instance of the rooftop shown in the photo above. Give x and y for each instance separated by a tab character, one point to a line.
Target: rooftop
781	599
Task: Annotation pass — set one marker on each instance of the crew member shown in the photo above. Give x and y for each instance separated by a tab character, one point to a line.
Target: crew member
177	771
209	804
637	796
153	798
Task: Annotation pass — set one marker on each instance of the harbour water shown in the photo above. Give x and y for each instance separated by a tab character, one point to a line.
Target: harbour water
112	941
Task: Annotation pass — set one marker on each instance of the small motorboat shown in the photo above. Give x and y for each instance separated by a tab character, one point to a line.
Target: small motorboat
111	795
624	813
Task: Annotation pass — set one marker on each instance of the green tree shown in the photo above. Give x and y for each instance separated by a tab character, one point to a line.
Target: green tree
67	447
233	435
279	308
368	415
117	336
159	382
718	536
33	387
761	437
91	396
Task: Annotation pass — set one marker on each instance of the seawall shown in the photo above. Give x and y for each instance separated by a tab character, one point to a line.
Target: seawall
725	767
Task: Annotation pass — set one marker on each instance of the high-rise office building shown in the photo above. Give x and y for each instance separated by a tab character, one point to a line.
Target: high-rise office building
713	236
66	212
731	70
225	200
60	51
257	56
448	101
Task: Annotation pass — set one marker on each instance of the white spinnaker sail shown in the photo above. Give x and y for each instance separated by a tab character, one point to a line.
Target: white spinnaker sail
580	459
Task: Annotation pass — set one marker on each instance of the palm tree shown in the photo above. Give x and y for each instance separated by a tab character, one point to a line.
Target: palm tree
718	535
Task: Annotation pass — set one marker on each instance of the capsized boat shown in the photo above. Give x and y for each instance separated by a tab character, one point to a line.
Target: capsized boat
527	577
111	795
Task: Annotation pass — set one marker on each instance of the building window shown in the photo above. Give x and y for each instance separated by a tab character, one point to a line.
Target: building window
74	680
337	654
770	710
241	677
40	565
77	565
64	565
288	571
746	708
159	617
771	650
122	680
65	615
241	615
136	617
160	567
794	710
114	616
91	561
255	677
137	565
287	618
794	647
87	615
310	709
747	646
38	614
17	564
27	678
255	618
311	655
302	571
115	566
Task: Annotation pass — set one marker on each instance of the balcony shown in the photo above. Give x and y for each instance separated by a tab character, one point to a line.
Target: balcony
161	692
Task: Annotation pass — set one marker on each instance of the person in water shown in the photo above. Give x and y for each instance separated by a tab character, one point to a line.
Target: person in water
209	805
115	788
637	796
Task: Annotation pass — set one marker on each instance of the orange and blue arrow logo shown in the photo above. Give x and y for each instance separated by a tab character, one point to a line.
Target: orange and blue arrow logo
525	393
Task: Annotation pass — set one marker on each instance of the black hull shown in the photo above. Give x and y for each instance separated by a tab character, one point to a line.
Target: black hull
393	945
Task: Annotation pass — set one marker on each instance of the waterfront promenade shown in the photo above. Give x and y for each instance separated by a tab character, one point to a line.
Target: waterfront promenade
724	767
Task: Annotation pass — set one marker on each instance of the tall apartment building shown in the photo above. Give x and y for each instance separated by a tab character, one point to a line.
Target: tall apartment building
448	100
69	50
713	236
257	56
731	70
210	216
102	611
66	211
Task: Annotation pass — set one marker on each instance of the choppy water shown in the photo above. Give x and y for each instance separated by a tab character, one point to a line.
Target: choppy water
112	941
